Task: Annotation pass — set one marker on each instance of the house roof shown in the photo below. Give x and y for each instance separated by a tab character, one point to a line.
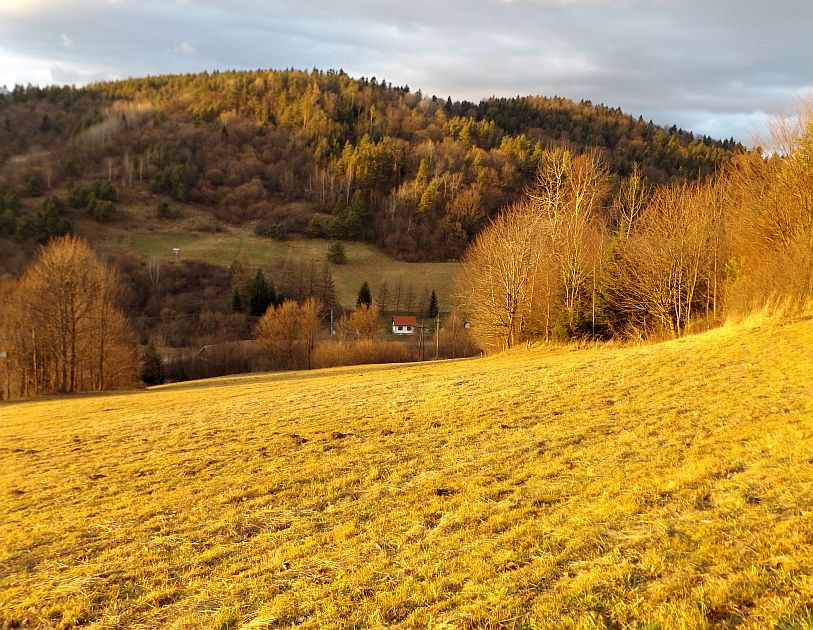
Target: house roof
404	320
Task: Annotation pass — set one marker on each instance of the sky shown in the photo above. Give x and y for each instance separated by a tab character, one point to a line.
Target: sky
716	67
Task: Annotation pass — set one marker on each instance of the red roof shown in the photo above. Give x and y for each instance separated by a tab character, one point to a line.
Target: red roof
404	320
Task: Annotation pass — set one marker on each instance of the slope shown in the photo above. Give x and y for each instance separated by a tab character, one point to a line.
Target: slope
669	486
288	152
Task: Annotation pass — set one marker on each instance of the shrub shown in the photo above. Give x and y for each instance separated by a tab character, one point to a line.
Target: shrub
162	210
336	254
333	354
100	209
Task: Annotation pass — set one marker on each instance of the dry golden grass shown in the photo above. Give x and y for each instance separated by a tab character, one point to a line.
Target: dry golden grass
665	486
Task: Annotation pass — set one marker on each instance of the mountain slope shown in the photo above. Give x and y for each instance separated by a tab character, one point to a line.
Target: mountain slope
670	485
318	153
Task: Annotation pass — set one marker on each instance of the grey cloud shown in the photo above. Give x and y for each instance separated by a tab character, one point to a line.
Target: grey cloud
713	66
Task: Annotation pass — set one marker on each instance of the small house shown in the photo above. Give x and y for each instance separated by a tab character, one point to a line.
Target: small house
404	324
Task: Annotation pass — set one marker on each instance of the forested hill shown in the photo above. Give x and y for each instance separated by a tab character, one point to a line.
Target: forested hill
313	153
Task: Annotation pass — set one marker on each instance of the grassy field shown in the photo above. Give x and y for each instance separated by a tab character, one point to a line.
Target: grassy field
363	261
664	486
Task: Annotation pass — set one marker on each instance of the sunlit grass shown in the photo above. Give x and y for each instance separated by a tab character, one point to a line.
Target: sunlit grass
665	486
364	262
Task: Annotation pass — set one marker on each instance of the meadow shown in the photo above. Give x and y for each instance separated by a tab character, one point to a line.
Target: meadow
364	262
657	486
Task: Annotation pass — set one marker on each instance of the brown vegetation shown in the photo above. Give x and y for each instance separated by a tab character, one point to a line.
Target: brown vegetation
575	259
60	327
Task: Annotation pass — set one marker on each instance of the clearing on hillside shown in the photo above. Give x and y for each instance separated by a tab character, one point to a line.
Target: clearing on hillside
666	486
364	262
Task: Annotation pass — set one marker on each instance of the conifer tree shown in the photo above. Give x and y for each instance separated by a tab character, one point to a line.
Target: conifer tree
261	295
153	371
432	311
236	301
364	296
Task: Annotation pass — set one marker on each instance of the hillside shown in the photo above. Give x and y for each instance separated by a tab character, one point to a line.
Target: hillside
364	263
316	154
663	486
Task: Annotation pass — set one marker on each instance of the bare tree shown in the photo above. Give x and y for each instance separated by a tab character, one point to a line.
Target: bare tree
63	330
495	286
770	217
569	193
660	276
364	321
278	332
629	203
383	298
310	321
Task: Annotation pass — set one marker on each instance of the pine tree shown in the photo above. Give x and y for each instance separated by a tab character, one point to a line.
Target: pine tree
364	296
261	295
153	370
236	301
423	173
327	288
432	311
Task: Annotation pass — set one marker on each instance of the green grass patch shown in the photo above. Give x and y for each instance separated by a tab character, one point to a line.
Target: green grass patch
364	262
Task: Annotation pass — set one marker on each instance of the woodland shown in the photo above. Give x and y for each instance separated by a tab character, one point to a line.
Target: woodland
311	153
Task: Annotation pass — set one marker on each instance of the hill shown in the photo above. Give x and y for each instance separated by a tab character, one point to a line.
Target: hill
664	486
315	154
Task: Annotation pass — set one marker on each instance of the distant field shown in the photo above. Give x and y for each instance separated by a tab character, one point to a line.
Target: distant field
666	486
364	262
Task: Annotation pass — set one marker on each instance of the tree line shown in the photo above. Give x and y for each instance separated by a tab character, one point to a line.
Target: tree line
580	258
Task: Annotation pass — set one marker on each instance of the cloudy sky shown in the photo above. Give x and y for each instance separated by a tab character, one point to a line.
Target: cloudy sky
713	66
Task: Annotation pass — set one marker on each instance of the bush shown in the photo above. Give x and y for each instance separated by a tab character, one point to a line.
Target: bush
79	197
273	230
316	228
162	210
100	209
333	353
336	254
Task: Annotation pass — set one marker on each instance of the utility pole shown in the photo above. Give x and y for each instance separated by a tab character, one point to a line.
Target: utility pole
437	336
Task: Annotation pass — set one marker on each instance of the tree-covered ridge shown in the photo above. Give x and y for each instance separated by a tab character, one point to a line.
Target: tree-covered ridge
323	154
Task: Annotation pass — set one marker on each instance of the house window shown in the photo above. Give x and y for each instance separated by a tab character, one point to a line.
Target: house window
400	328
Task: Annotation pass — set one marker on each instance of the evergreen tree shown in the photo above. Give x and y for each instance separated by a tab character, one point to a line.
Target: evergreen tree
364	296
261	295
153	371
11	201
336	254
237	301
423	173
432	311
43	224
